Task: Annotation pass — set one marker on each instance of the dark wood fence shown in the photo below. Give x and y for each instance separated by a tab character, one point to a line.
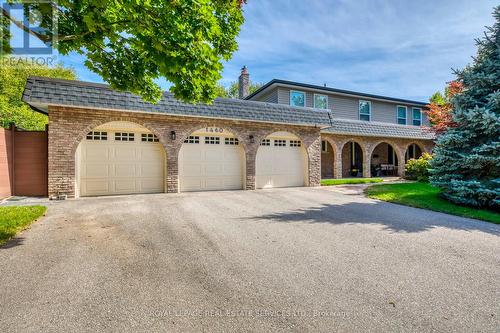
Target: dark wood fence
23	162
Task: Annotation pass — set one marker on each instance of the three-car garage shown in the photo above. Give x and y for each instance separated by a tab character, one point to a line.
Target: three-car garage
125	158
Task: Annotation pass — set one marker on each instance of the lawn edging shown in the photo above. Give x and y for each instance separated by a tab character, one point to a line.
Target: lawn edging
424	195
344	181
14	219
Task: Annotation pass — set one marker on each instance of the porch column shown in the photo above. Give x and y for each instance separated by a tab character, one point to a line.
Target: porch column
367	154
401	160
337	162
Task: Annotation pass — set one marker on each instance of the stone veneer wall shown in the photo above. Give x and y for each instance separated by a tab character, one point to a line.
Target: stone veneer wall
68	126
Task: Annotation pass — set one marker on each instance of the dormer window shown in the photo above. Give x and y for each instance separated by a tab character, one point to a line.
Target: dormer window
320	101
297	98
365	110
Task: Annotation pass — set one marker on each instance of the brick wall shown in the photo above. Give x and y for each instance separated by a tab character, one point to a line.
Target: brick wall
68	126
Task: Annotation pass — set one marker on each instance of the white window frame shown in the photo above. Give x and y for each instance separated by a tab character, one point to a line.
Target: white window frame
359	110
265	142
195	139
298	91
413	116
314	100
295	143
324	146
279	143
397	114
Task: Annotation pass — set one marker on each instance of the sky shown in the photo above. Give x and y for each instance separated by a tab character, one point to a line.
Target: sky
397	48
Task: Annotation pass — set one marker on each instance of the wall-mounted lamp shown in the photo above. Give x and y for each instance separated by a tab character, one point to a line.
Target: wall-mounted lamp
252	140
172	135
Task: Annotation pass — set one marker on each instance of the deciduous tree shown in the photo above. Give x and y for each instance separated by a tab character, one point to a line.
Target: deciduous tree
130	44
13	75
441	107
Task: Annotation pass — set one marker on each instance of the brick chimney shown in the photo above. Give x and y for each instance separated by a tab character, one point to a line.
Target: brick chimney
243	83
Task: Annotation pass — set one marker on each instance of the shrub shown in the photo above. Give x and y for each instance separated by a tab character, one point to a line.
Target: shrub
418	169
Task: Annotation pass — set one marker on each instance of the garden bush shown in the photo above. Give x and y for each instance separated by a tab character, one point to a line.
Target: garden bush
418	169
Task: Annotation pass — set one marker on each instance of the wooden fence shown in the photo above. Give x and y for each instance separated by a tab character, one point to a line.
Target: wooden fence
23	162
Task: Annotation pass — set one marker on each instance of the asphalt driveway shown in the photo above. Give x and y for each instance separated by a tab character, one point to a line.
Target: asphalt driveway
305	259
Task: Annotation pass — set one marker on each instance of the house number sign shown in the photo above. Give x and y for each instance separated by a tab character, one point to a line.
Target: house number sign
214	130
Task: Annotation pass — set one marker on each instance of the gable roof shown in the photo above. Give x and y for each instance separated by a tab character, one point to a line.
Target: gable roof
279	82
40	92
371	128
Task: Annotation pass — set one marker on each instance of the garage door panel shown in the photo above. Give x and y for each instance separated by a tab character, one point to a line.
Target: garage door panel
92	170
280	166
95	152
205	167
124	170
150	170
115	167
95	186
125	185
124	152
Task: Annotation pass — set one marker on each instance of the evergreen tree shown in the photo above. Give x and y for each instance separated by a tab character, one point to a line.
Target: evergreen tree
466	165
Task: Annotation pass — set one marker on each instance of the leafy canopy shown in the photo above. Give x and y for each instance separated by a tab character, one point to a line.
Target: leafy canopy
440	107
13	75
130	44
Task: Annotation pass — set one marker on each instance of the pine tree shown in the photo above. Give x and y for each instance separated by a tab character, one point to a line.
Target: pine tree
466	165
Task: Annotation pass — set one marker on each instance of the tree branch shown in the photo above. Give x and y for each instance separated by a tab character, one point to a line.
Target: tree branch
20	25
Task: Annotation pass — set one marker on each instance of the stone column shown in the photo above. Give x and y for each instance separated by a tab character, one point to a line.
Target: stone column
367	163
173	171
314	152
251	156
337	162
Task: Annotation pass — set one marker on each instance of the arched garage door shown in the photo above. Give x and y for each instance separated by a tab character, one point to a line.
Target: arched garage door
120	158
211	159
281	161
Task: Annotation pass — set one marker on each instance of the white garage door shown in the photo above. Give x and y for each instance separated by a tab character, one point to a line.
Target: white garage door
120	162
211	161
281	162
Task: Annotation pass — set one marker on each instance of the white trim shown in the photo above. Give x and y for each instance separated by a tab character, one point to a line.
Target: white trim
297	91
326	146
397	114
413	118
359	109
314	100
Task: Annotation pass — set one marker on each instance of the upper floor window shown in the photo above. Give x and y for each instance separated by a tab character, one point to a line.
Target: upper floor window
320	101
365	110
297	98
401	115
417	116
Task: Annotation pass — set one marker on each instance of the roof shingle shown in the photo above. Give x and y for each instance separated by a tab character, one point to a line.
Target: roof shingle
369	128
47	91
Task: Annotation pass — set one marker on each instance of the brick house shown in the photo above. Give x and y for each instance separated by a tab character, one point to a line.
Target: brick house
105	142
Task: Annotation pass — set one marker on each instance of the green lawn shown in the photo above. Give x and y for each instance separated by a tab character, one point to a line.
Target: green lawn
329	182
424	195
16	218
